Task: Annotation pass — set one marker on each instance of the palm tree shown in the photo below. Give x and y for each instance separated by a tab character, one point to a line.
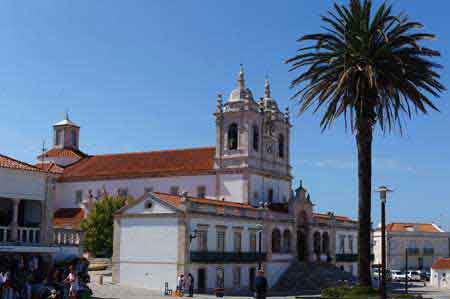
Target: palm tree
369	69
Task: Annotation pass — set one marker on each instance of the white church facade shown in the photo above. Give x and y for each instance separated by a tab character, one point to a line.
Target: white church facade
200	210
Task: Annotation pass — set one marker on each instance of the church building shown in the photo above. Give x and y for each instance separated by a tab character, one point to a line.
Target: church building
205	211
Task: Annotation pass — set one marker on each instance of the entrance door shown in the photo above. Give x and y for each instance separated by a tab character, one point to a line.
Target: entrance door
251	278
301	246
201	280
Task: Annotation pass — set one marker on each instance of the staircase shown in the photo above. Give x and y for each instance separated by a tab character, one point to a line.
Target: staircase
301	277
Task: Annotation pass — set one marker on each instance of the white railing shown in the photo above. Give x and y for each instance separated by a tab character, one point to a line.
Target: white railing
67	237
28	235
25	235
5	234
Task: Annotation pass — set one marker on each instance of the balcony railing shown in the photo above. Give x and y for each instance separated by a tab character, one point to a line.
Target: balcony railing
350	257
67	237
226	257
346	257
413	251
5	234
428	251
25	235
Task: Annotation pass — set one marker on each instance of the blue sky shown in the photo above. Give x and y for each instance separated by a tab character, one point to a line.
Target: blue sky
143	75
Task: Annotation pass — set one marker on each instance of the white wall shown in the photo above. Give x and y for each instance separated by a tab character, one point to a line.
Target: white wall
148	252
261	185
440	278
229	242
65	192
19	184
232	187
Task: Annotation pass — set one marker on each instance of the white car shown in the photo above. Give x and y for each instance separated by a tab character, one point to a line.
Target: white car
398	275
414	275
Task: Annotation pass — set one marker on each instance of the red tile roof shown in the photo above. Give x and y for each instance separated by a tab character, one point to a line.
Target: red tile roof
68	217
62	153
7	162
413	227
338	218
441	264
50	167
144	164
175	201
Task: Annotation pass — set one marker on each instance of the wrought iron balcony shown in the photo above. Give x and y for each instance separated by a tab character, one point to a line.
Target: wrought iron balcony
428	251
347	257
350	257
225	257
413	251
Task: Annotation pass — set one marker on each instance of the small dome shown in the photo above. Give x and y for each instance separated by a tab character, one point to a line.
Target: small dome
241	93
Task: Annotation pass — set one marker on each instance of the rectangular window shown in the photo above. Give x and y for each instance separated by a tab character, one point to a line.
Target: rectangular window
221	241
350	243
341	244
252	241
202	236
78	196
237	277
237	241
122	192
220	278
201	191
59	137
174	190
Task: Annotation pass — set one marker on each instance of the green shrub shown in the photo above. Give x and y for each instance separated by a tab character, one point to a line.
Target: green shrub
349	292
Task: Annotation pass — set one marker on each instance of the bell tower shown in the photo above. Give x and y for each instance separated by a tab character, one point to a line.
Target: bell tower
66	134
252	143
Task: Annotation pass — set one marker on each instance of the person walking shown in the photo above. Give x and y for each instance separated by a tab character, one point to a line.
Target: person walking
260	285
72	280
190	284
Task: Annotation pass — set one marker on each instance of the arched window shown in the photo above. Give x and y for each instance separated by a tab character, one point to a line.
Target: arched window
276	241
255	138
317	243
286	241
325	243
270	195
233	137
281	146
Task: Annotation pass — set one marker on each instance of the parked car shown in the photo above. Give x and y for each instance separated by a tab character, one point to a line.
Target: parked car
414	275
425	275
398	275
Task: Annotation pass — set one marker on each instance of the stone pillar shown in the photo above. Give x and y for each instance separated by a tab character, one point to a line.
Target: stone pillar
15	220
116	251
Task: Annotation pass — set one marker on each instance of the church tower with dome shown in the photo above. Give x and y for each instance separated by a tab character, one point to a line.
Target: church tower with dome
252	140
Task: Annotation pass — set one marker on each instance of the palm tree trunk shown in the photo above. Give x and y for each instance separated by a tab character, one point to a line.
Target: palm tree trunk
364	143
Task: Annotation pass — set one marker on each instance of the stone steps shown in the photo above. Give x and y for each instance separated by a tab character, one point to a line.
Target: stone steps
301	277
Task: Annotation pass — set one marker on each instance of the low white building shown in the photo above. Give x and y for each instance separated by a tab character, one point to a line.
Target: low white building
162	235
440	274
26	211
425	242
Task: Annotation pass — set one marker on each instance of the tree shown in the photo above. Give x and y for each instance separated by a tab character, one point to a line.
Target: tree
99	224
370	70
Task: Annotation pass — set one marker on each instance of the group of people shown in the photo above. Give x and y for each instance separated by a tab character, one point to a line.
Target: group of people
27	277
18	274
185	283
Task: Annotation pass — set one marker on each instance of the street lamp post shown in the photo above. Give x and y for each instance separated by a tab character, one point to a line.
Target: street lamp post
259	228
383	190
